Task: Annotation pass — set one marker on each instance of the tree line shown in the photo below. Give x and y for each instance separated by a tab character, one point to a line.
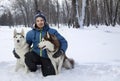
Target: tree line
97	12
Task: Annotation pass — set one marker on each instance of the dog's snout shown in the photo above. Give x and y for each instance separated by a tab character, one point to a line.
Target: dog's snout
18	41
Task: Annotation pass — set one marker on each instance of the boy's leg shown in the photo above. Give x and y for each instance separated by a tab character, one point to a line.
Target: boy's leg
32	60
47	67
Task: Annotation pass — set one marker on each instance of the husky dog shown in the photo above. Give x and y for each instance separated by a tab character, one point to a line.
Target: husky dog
51	44
20	48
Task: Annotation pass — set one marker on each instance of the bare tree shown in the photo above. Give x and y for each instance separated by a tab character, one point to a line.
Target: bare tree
117	4
74	14
70	13
58	12
36	5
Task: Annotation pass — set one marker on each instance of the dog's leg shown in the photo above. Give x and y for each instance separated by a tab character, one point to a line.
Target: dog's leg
26	68
55	66
18	65
60	64
53	63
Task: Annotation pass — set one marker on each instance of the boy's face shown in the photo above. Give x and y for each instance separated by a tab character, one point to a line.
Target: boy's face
40	22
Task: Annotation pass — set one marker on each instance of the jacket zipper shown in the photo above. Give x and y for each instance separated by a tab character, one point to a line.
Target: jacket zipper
40	41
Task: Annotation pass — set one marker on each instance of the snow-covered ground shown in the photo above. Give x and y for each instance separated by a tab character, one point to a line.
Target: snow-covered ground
96	52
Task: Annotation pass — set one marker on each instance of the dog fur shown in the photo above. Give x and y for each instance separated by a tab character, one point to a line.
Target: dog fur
21	48
51	44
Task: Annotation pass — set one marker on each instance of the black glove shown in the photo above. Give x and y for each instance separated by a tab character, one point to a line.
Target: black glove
15	54
58	53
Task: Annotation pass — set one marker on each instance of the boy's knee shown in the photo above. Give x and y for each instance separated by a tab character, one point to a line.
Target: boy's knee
28	54
32	69
48	70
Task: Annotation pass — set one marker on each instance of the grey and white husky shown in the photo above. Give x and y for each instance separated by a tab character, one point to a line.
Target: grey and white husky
51	44
21	48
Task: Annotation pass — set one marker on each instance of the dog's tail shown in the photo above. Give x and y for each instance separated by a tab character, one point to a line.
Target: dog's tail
68	63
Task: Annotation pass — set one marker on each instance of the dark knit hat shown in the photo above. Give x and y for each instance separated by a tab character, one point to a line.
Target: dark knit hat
40	14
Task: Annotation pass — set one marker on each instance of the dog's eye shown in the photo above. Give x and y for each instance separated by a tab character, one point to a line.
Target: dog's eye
42	39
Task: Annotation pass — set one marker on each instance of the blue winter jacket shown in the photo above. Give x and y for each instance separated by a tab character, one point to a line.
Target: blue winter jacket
34	36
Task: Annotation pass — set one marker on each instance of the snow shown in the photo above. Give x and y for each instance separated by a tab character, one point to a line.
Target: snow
96	52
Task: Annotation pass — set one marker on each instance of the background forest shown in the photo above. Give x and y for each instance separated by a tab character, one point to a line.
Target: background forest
75	13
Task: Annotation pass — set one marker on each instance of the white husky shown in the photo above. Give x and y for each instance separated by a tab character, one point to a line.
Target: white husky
21	48
51	44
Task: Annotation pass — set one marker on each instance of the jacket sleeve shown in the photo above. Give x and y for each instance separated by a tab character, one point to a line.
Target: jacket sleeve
28	38
62	40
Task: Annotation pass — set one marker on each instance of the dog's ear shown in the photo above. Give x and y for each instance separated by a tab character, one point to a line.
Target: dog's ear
15	32
54	37
22	32
48	35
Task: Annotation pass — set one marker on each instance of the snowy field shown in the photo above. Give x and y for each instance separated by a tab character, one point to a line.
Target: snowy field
96	52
